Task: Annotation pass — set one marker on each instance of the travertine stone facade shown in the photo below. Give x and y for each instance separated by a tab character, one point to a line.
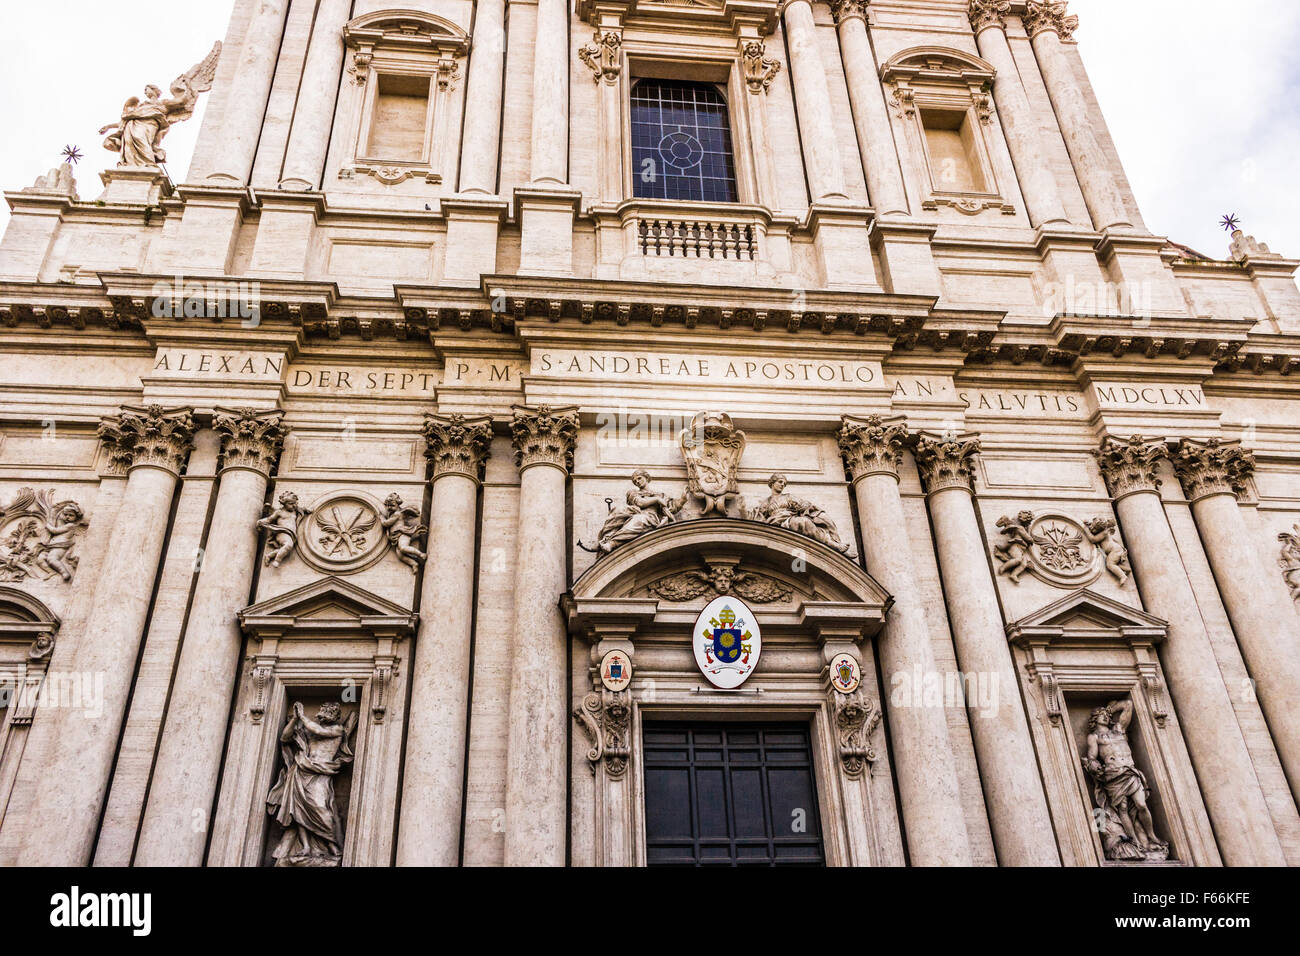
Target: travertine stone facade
487	343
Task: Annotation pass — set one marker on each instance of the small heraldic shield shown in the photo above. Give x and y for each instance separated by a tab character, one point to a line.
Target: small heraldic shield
727	642
845	674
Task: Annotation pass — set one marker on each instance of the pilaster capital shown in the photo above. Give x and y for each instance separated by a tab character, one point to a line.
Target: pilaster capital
846	10
250	439
1129	464
457	445
988	13
153	436
118	447
947	461
760	69
872	445
1213	467
1041	15
544	436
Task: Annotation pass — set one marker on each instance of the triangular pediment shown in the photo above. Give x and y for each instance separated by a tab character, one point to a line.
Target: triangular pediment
331	602
1086	610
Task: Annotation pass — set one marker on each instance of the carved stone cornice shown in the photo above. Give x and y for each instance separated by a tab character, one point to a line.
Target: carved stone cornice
157	437
760	69
856	716
845	10
544	436
1214	467
947	461
988	13
606	716
1054	15
250	439
457	445
1129	465
872	445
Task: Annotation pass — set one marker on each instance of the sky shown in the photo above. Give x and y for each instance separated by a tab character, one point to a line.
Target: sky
1202	98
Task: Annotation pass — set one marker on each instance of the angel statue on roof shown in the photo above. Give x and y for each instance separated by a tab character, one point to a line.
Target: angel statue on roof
139	133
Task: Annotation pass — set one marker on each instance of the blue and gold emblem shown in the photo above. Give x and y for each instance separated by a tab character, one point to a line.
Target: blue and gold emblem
727	642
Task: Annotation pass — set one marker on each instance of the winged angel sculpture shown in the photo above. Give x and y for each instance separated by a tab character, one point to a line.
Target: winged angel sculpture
138	135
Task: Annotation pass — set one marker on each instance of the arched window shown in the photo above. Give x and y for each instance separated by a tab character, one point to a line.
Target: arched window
681	142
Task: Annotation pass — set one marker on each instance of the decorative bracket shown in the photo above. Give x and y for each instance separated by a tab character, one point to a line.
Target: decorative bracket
606	716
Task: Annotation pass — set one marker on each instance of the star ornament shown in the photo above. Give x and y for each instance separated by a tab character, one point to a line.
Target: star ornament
1230	222
72	154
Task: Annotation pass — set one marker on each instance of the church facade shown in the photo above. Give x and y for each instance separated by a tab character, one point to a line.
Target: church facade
638	432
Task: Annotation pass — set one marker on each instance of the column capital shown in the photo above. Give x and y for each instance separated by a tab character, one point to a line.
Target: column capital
845	10
544	436
947	460
872	445
155	436
1041	15
250	439
457	445
988	13
1129	464
118	448
1213	467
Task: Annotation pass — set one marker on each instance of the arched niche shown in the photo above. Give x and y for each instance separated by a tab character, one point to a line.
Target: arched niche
811	603
27	633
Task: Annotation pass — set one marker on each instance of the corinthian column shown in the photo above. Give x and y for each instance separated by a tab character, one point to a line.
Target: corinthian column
313	116
1013	789
188	765
870	112
923	760
813	98
536	755
434	767
1223	766
1213	474
1048	23
1037	184
230	152
481	144
74	784
550	143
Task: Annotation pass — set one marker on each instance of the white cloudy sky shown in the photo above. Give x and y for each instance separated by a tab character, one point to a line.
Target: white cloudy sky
1202	96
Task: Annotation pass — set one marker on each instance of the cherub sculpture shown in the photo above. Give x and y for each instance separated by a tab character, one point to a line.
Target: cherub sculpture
402	522
282	523
138	135
61	524
1016	552
1104	533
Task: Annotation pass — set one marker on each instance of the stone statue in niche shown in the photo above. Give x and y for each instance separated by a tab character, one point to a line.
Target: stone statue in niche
1016	551
1290	560
1104	533
712	448
138	135
645	510
302	800
37	535
282	525
1120	789
796	514
402	522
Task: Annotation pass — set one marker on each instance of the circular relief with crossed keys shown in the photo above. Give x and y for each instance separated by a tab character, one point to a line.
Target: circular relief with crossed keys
343	533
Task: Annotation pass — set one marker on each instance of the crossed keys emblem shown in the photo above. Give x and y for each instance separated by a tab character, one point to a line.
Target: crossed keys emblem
346	537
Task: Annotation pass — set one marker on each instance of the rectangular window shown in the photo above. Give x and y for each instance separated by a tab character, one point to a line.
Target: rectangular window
681	142
954	162
730	795
400	119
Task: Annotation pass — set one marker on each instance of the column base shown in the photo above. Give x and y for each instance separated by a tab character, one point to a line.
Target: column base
842	236
906	257
473	226
546	216
285	232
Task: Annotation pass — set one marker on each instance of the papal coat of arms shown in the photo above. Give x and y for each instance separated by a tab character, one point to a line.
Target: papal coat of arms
712	447
727	642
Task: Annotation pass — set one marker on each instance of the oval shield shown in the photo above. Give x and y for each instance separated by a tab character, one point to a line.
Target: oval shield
727	642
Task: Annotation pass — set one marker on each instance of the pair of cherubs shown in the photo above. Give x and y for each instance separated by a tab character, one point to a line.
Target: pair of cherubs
400	520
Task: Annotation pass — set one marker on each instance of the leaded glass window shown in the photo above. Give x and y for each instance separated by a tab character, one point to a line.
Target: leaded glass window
681	142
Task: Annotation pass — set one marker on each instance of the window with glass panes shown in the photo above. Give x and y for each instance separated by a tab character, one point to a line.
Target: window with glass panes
681	142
